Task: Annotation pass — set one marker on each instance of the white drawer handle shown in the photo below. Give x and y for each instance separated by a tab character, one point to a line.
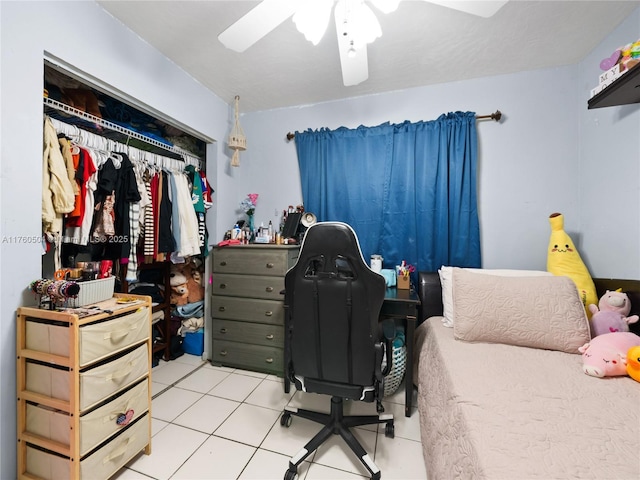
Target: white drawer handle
223	353
223	330
121	450
270	337
269	265
269	289
269	360
268	313
118	335
120	373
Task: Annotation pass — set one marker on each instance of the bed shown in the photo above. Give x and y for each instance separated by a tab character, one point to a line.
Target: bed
502	411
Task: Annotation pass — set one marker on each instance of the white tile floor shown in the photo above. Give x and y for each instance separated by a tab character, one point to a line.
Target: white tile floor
223	423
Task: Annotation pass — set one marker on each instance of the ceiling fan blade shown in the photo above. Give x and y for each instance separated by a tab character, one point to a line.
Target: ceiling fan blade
482	8
258	22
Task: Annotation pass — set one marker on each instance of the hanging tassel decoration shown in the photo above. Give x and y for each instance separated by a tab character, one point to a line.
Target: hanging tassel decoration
237	140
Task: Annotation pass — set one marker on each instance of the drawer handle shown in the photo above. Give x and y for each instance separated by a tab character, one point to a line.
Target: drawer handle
269	360
223	353
223	330
268	313
223	264
223	285
270	336
221	309
269	289
269	265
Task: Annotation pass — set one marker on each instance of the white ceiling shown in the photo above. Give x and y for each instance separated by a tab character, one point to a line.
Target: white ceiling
421	44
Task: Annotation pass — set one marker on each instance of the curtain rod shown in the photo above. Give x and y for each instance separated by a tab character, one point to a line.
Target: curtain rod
497	115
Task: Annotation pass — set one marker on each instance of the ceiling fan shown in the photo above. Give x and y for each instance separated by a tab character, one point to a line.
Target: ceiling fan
356	25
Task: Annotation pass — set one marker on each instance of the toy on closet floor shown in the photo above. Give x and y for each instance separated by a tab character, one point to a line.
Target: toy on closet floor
611	313
606	354
633	363
186	283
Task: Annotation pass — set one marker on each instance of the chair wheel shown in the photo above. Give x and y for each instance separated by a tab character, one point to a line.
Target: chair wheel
389	430
285	420
291	475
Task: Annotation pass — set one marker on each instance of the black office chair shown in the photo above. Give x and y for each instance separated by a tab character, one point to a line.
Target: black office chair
334	343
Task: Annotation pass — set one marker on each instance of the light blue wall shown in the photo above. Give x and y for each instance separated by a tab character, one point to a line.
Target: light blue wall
528	162
85	36
610	169
545	156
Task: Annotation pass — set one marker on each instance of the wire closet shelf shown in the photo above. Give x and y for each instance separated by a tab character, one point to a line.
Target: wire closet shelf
189	157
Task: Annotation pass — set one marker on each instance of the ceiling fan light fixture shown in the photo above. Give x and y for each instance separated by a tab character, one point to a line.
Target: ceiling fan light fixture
312	18
359	23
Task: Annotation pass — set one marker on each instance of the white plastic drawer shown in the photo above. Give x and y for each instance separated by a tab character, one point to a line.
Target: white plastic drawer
99	340
103	381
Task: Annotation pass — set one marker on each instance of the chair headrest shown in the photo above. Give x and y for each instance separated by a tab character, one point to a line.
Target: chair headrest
331	241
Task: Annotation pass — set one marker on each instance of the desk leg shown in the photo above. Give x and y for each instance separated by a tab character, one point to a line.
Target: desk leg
408	376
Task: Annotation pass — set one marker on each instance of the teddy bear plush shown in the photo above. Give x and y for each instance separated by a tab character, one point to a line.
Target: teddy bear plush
179	287
186	283
611	314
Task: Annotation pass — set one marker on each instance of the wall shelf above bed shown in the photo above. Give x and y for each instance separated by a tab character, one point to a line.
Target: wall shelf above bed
623	91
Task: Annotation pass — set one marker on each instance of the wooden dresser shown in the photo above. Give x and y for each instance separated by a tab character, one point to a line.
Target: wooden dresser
84	389
247	305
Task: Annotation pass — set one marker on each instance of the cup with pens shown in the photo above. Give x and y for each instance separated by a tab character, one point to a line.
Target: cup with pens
403	272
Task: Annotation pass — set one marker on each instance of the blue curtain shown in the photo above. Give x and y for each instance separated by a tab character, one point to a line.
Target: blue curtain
408	190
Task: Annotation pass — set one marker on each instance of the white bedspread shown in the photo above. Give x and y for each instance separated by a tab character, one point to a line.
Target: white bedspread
504	412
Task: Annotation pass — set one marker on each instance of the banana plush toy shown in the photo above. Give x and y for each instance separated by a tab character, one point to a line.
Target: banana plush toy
563	259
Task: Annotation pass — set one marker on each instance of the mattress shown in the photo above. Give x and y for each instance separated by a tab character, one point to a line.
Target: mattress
505	412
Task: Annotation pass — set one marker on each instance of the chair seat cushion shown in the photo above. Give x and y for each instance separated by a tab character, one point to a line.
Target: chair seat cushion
353	392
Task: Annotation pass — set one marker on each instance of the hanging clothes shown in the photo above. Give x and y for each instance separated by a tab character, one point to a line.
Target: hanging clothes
189	238
197	199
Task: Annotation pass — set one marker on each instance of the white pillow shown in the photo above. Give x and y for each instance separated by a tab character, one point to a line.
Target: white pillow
446	281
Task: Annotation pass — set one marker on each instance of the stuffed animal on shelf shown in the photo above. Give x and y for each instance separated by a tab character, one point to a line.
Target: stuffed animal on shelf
633	363
606	354
179	288
563	259
611	314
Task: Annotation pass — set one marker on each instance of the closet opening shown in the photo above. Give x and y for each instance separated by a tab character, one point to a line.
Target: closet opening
129	194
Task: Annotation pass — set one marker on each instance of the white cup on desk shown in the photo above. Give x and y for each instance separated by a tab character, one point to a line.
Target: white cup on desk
376	263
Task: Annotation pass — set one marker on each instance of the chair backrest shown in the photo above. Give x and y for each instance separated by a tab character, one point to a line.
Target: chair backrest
333	303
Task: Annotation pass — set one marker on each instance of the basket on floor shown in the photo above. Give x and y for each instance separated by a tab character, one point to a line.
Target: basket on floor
399	366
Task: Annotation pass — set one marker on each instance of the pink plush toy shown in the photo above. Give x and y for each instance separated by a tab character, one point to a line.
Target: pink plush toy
611	316
606	354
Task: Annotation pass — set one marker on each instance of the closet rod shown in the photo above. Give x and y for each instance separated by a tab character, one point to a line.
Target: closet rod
93	140
497	115
50	102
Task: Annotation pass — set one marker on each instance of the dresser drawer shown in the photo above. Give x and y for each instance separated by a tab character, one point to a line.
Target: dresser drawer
103	463
243	286
248	309
96	426
252	357
255	260
246	332
96	341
